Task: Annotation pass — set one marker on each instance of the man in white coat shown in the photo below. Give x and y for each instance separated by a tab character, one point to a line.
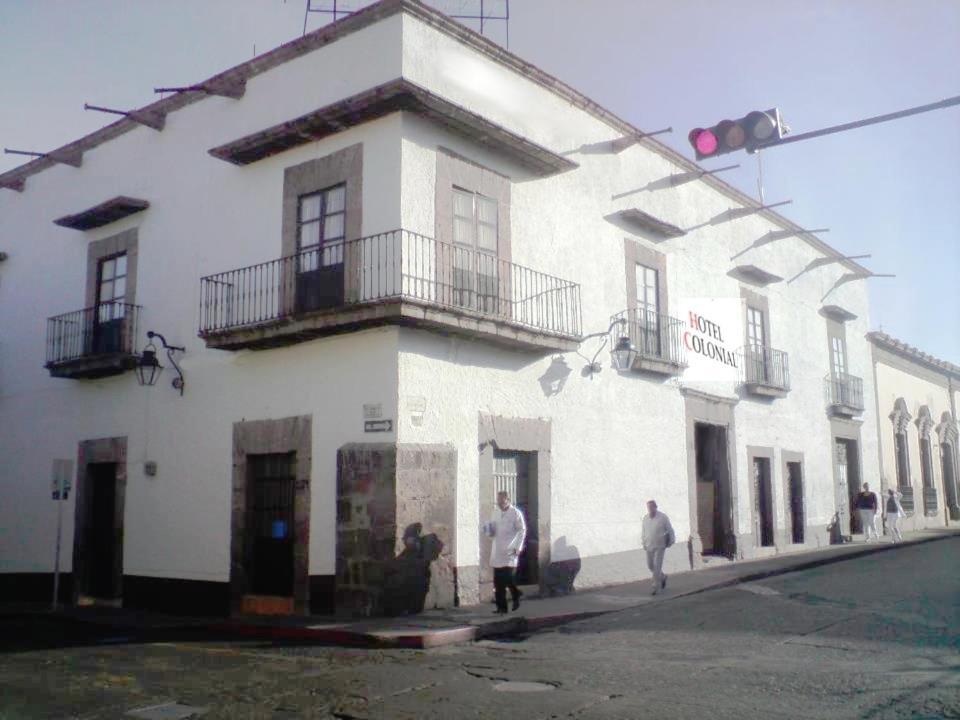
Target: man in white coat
508	530
657	536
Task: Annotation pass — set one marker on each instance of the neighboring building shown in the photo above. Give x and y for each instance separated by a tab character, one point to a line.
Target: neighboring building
392	250
917	398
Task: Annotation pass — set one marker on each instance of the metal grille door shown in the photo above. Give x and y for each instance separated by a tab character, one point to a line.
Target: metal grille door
507	468
511	473
270	513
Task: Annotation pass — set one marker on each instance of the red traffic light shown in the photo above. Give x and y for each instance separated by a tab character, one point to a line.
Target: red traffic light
704	141
751	132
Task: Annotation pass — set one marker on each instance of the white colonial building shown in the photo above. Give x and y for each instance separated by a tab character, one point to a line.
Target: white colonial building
917	397
396	287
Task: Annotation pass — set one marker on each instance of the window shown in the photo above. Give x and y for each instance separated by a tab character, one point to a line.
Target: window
475	267
321	227
648	310
925	426
838	357
842	390
903	467
756	359
755	338
926	462
111	287
900	417
108	329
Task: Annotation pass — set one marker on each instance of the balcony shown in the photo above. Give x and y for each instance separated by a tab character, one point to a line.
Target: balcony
844	394
95	342
398	277
657	338
764	371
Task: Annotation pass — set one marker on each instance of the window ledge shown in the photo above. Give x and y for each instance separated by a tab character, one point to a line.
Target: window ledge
103	214
754	275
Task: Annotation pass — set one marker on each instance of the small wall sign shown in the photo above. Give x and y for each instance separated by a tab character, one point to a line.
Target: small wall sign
378	426
62	479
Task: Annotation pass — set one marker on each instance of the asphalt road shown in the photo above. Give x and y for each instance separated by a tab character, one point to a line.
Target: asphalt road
877	637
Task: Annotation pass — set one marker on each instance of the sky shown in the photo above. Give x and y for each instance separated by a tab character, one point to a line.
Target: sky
891	190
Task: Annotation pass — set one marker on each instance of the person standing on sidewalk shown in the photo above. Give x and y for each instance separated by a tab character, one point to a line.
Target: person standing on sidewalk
508	530
656	536
866	505
894	513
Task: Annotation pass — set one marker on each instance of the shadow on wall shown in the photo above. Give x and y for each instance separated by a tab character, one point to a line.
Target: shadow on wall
406	580
563	568
835	531
555	377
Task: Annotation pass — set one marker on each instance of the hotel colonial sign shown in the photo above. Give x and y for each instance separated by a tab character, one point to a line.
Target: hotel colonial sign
711	335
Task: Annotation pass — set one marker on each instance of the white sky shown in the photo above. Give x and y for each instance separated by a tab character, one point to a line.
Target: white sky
890	190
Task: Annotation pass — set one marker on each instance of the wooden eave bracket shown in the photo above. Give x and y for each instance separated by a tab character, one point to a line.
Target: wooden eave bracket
73	159
17	184
151	118
226	87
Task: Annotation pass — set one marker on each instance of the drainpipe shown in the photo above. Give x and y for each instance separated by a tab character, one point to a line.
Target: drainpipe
955	453
876	403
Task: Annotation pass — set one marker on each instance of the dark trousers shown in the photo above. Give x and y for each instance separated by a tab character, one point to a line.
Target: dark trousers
503	579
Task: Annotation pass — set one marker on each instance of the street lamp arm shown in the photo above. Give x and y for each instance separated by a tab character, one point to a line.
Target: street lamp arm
593	366
605	333
178	382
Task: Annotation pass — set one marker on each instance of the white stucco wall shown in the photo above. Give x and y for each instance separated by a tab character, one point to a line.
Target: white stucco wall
918	386
206	216
616	440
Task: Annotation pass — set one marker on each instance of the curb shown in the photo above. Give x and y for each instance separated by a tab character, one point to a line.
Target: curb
816	562
431	638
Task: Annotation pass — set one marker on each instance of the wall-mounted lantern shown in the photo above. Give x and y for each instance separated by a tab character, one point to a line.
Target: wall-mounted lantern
622	354
149	367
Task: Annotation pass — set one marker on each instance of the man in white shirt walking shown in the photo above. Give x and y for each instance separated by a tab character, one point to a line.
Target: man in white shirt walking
508	530
657	536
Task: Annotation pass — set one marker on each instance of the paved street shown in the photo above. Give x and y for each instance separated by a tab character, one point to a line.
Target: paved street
875	637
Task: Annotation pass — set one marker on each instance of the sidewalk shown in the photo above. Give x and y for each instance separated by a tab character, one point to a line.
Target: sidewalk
457	625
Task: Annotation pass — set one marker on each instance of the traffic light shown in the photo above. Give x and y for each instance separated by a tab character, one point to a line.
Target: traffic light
751	132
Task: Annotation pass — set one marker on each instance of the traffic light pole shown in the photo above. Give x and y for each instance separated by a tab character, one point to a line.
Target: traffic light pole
862	123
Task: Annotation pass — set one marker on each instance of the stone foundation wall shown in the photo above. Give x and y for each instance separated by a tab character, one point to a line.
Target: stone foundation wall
396	520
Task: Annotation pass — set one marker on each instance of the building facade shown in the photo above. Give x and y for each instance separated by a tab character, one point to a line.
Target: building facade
395	290
917	397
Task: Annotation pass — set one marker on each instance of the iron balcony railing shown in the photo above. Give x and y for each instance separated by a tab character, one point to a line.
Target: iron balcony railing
104	329
929	500
764	366
396	265
906	499
654	336
846	390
